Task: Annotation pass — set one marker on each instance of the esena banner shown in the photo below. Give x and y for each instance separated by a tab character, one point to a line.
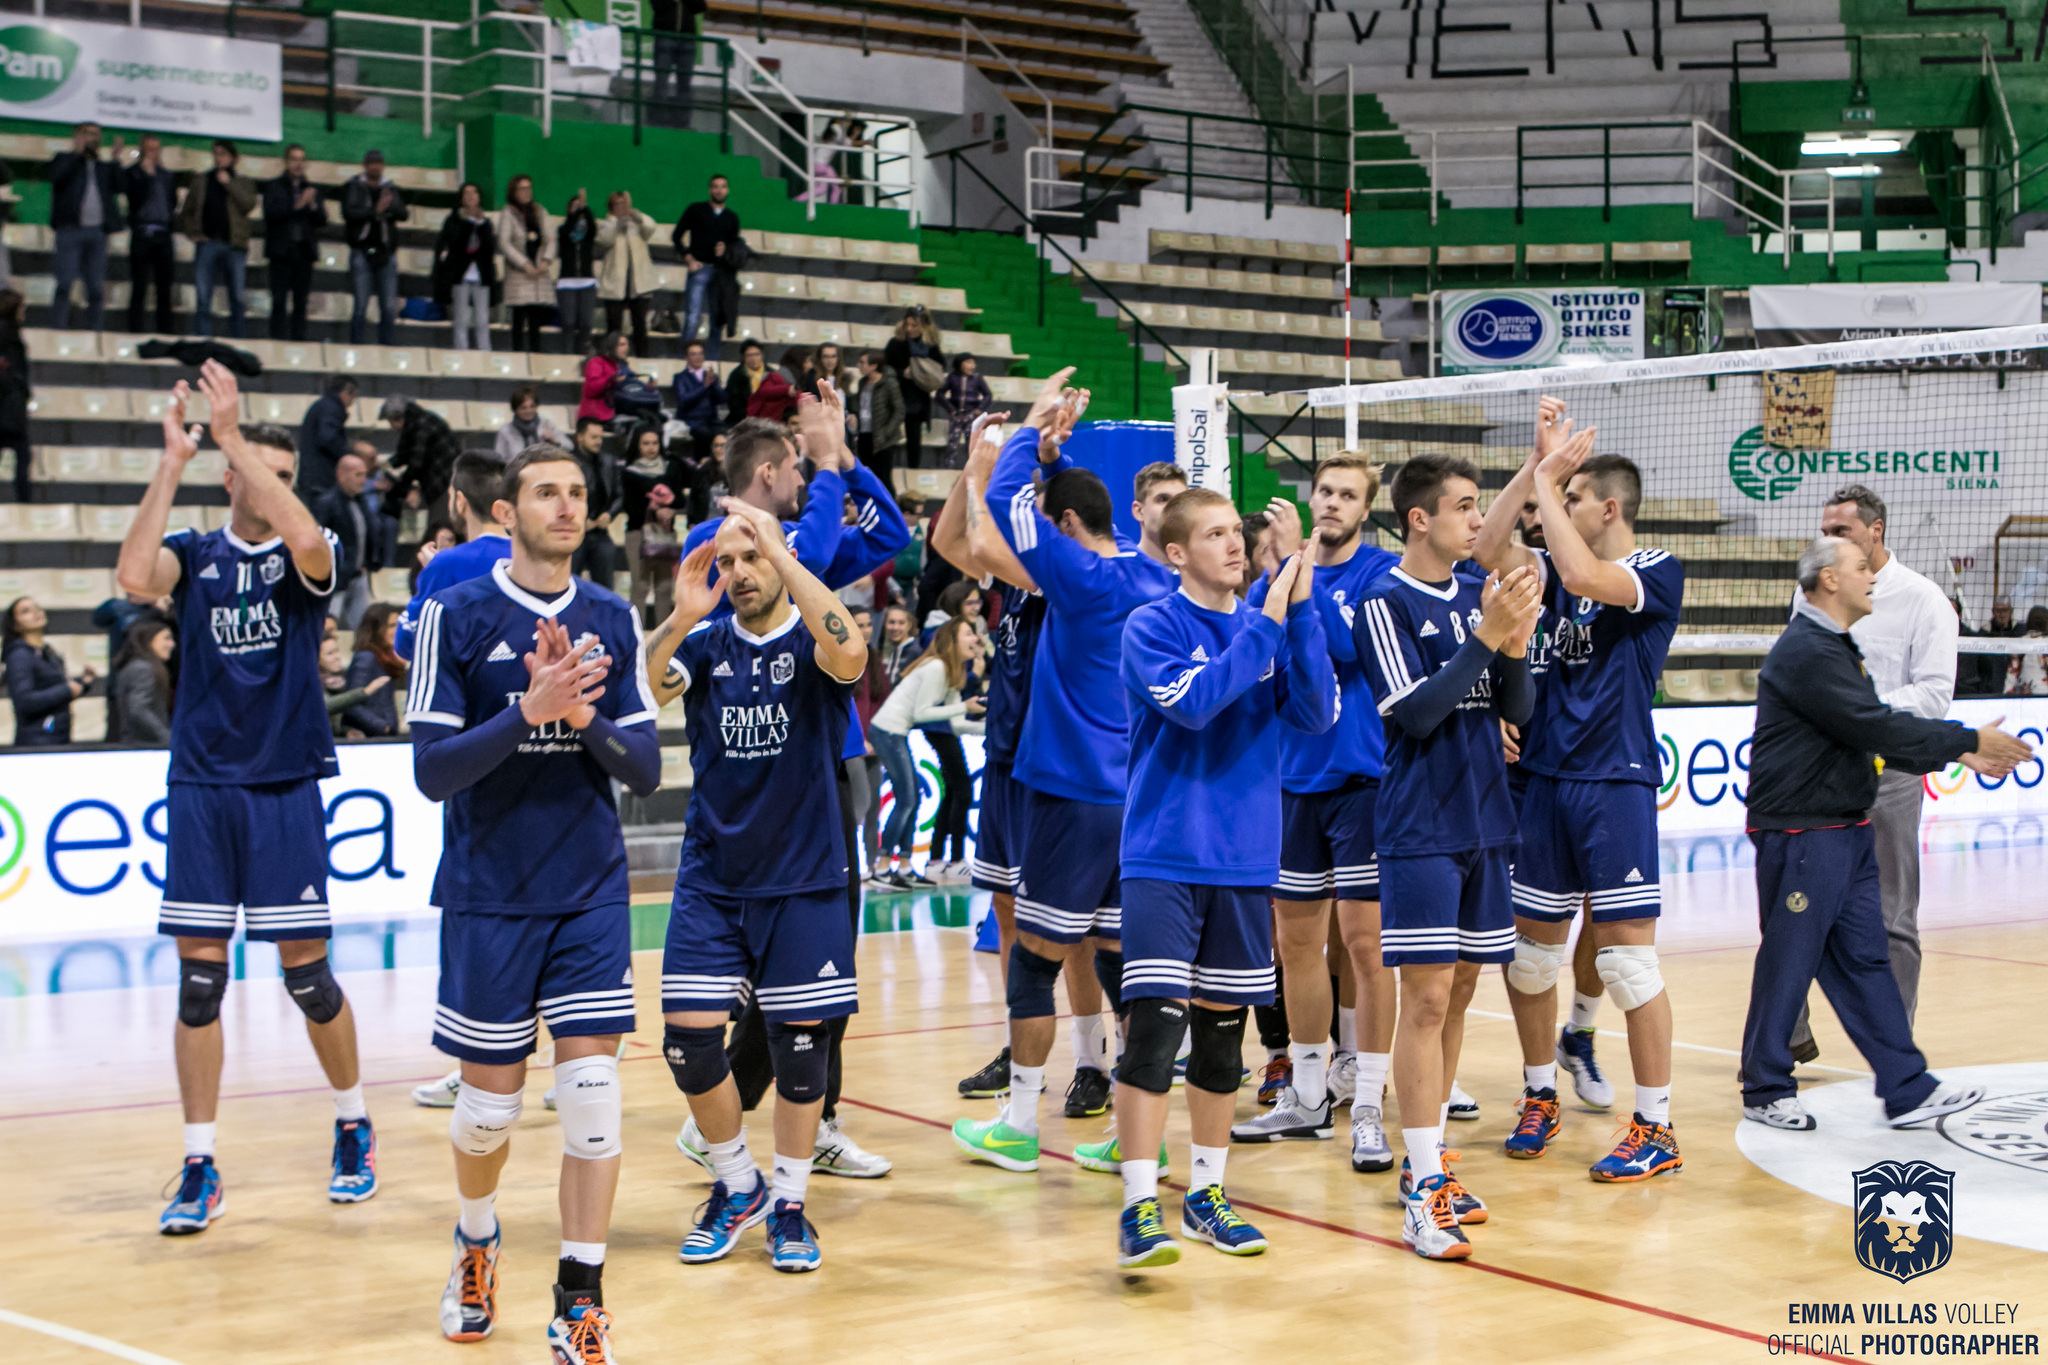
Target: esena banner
66	72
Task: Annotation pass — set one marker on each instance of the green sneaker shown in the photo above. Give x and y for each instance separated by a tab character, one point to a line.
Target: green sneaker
1107	1157
997	1143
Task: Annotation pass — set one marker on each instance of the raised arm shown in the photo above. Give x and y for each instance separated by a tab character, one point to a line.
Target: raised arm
147	568
1579	571
948	535
696	597
1497	550
270	490
840	652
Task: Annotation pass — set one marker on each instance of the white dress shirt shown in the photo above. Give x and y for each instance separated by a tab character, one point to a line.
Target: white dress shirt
1909	642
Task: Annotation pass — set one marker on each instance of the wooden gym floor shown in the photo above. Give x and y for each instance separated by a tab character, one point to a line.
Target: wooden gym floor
946	1260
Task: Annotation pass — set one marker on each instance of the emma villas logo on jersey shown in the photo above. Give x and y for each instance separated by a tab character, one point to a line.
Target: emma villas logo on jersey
246	628
1904	1224
754	731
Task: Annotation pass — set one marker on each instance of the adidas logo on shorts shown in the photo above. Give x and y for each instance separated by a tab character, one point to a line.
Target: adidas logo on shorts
502	654
724	670
210	571
309	894
1428	628
1635	874
828	970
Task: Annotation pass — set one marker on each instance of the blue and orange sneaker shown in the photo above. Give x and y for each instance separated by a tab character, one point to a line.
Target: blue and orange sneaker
792	1241
721	1219
581	1333
1206	1216
469	1305
1646	1149
198	1202
1537	1126
1141	1238
1279	1074
355	1162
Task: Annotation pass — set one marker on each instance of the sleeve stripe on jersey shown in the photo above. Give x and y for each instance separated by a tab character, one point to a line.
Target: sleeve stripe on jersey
870	515
333	572
1386	646
1642	594
1024	518
1172	692
650	710
1387	706
426	673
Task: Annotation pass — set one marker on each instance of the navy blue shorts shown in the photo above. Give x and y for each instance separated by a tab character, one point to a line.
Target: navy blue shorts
261	850
1067	883
502	974
999	831
1184	942
1587	838
1446	907
1326	844
794	953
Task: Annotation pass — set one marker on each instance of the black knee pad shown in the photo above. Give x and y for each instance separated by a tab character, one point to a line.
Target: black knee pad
802	1054
1109	970
1152	1034
201	988
1032	979
314	990
1216	1052
696	1056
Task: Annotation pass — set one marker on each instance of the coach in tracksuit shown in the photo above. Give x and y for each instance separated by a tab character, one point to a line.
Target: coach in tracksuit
1812	781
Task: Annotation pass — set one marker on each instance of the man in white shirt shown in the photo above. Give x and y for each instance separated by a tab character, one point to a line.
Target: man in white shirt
1909	645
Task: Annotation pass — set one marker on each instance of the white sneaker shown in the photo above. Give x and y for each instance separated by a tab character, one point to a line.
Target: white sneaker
1943	1101
547	1101
691	1143
1464	1108
1429	1225
838	1154
1288	1119
1369	1149
439	1094
1785	1112
1343	1080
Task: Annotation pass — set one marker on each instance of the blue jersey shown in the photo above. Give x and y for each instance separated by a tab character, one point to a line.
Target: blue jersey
1076	738
1208	693
766	725
250	705
1593	709
1356	745
456	564
838	554
538	834
1009	674
1446	792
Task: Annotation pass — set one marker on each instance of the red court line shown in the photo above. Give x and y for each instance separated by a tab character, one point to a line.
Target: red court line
1986	957
248	1095
1396	1244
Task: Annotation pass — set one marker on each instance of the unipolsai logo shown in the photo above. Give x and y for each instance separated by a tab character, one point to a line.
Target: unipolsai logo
1904	1218
1759	469
34	63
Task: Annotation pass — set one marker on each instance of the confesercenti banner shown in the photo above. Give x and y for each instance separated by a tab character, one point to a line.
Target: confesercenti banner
66	72
1811	314
1513	329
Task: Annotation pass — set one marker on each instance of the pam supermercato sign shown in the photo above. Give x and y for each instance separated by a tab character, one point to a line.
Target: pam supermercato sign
67	72
82	839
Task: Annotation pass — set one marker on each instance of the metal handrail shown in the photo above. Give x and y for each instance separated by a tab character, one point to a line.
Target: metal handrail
969	29
1782	196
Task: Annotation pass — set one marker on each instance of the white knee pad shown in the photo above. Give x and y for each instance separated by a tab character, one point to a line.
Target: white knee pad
482	1122
1629	971
1536	965
592	1111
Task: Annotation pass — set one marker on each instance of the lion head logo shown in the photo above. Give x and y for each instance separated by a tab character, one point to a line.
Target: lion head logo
1904	1218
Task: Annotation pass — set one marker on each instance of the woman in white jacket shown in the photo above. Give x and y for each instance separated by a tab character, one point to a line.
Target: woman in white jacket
928	693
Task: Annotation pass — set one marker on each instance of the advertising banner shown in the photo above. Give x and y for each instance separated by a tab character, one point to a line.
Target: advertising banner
1513	329
67	72
1810	314
1201	441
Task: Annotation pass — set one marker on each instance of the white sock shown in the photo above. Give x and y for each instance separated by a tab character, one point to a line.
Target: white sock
1027	1083
1347	1029
1091	1040
348	1104
1207	1166
1443	1117
1311	1071
1653	1102
792	1177
199	1139
1273	1054
480	1217
583	1253
731	1162
1424	1160
1372	1078
1584	1008
1540	1077
1141	1180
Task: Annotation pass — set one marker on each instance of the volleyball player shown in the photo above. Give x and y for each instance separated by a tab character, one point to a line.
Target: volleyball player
1589	816
1209	682
1152	488
759	900
526	701
1447	664
1074	750
472	492
1329	785
247	831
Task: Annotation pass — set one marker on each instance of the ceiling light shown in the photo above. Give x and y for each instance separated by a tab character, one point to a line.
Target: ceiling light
1849	146
1855	172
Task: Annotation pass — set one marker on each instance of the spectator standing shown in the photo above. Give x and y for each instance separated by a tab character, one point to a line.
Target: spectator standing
342	510
878	417
966	396
376	657
139	709
526	240
675	57
1993	670
15	391
597	558
323	434
7	203
870	690
527	426
215	216
371	210
651	487
466	268
151	189
293	214
900	647
699	396
825	364
425	457
576	289
773	396
37	684
948	854
82	205
625	272
920	367
747	376
926	694
600	370
703	237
